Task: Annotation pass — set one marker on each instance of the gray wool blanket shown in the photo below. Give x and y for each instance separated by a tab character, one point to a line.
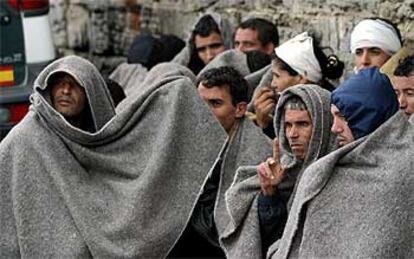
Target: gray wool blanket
129	76
358	201
124	191
248	146
238	60
232	58
242	237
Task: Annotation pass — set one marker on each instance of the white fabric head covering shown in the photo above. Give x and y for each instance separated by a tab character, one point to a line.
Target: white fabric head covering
375	33
298	54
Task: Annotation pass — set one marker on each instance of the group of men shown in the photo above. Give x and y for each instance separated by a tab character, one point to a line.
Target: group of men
231	192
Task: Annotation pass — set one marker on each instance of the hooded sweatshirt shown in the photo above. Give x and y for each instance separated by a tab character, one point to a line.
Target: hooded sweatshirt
126	190
367	100
243	240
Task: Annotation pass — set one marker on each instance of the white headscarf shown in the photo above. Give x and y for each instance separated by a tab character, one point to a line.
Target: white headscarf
375	33
298	54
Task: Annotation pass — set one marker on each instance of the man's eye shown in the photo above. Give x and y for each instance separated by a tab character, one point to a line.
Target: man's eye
358	52
304	124
215	103
410	92
216	45
376	51
202	49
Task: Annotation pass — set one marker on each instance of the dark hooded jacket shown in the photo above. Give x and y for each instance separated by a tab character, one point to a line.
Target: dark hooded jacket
367	100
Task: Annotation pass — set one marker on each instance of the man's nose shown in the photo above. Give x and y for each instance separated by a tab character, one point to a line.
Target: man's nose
241	47
293	132
66	88
365	59
210	54
402	101
335	128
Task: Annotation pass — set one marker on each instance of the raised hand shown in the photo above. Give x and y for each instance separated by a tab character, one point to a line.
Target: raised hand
271	172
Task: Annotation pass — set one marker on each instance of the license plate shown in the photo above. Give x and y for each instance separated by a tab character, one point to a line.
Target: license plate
6	76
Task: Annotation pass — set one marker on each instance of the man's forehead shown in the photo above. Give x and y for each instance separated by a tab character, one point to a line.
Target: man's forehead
403	82
299	115
214	90
247	33
334	109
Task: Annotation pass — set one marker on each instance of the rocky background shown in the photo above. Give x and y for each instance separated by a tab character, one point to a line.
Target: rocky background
103	30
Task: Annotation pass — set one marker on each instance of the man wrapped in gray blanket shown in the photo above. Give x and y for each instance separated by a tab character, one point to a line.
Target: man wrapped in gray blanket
257	206
114	185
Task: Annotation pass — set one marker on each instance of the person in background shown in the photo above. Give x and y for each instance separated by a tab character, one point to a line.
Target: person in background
256	34
374	41
297	61
403	83
207	40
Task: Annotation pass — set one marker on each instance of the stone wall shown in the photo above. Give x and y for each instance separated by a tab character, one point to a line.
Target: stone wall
103	30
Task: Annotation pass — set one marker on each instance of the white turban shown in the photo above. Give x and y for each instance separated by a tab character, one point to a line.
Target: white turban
298	54
375	33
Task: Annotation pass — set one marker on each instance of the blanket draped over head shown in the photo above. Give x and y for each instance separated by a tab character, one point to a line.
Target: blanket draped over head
124	191
146	51
226	31
129	76
242	237
356	202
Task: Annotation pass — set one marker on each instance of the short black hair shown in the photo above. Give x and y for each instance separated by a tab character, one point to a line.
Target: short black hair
205	26
226	77
405	67
267	31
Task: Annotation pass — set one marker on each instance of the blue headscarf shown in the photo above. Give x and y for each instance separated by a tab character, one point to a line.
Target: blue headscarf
367	100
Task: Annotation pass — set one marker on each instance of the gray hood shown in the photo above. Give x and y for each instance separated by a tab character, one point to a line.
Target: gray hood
225	27
317	101
231	58
86	74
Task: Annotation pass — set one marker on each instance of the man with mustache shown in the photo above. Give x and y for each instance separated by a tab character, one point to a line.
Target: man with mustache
69	99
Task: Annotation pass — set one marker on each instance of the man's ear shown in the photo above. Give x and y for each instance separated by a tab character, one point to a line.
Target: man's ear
241	109
269	48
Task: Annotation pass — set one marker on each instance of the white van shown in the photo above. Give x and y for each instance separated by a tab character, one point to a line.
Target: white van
26	47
